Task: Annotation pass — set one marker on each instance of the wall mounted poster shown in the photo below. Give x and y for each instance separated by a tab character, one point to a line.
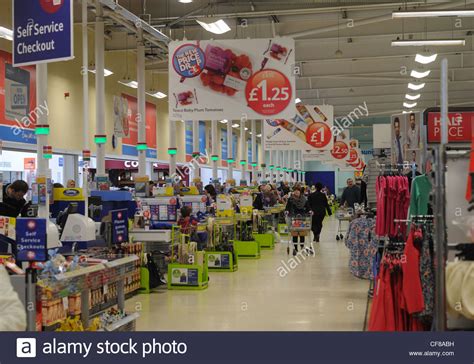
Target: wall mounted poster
129	143
406	139
309	129
251	78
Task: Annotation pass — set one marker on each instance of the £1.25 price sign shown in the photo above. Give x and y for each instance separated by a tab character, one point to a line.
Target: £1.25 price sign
268	92
318	135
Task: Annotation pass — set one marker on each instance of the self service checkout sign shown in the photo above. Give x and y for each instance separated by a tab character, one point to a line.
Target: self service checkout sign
31	240
42	31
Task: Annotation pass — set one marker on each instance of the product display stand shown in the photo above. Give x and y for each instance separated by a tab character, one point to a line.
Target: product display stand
221	256
244	244
189	268
265	239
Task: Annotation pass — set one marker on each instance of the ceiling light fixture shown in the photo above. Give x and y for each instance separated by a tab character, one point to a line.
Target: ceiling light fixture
246	129
106	71
338	52
408	105
297	100
235	125
428	42
224	121
157	94
6	33
185	1
259	135
216	27
425	59
412	97
416	86
432	13
129	83
417	74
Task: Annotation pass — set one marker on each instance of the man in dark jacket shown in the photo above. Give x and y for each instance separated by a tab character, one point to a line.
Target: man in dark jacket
351	194
318	203
13	198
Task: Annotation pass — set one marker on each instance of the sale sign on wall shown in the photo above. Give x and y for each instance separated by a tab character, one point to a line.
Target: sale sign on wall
18	111
460	126
251	78
309	129
129	143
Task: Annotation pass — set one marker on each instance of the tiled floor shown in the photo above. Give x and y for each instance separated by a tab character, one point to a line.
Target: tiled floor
318	295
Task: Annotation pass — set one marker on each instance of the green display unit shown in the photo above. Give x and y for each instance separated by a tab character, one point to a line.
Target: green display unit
247	249
266	241
144	280
283	229
188	276
221	261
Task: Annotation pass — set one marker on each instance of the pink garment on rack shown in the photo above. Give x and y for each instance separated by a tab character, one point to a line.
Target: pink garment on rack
380	190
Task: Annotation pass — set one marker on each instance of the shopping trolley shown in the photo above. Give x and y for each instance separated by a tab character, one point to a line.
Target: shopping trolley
343	214
298	225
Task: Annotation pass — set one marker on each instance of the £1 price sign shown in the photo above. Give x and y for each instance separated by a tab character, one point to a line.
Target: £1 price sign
318	135
268	92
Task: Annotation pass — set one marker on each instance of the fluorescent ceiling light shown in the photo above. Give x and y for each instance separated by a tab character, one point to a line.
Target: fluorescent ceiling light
224	121
415	86
412	97
6	33
185	1
250	133
417	74
235	125
431	13
182	121
129	83
106	71
246	129
157	94
297	100
408	105
259	135
425	59
428	42
216	27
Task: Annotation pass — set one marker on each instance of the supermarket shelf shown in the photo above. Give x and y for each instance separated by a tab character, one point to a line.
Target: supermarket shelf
126	320
80	272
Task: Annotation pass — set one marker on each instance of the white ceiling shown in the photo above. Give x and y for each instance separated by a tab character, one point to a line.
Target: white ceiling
369	70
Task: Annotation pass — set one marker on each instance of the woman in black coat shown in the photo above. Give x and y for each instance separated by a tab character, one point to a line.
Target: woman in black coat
318	203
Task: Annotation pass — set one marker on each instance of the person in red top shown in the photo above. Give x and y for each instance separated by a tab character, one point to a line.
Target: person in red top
188	225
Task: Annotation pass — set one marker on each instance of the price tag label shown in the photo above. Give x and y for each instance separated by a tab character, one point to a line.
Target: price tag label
268	92
340	150
318	135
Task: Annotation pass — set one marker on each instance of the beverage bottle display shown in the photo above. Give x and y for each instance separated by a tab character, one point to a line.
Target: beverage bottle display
305	113
320	113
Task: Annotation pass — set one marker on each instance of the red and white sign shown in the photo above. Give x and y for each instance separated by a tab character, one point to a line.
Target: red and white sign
29	164
235	78
340	150
460	127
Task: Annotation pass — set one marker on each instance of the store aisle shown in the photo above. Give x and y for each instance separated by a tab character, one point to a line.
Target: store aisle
318	295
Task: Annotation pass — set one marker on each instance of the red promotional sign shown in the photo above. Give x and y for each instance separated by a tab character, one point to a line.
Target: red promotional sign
353	155
268	92
340	150
318	135
460	126
132	139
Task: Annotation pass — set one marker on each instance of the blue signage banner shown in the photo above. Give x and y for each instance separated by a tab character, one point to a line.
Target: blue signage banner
31	240
119	226
42	31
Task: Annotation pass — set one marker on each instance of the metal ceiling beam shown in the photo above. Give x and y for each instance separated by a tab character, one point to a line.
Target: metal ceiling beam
355	96
303	11
376	19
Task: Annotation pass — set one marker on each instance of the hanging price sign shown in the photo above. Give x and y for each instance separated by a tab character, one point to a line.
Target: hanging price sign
318	135
268	92
353	155
340	150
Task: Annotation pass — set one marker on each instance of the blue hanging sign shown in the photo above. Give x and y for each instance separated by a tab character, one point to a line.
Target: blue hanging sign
119	226
42	31
31	240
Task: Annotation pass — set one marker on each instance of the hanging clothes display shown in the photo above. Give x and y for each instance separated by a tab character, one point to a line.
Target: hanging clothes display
420	195
363	246
393	198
